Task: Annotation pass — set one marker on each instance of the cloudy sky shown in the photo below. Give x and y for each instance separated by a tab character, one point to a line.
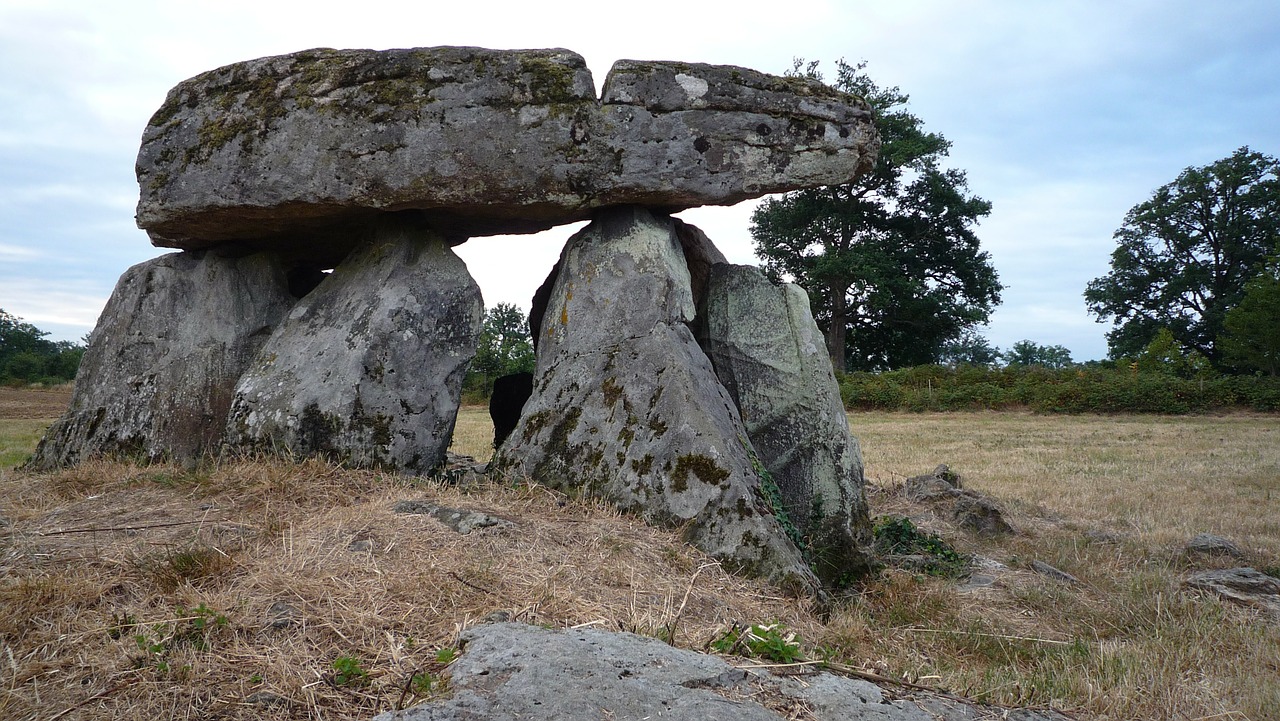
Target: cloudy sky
1064	115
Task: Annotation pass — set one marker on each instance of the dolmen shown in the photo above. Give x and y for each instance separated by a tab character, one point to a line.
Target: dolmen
315	307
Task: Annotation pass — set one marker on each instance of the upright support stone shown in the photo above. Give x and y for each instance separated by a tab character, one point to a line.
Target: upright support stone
367	369
769	354
627	407
158	376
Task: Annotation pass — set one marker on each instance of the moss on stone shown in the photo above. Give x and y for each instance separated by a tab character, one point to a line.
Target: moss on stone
549	81
704	467
643	465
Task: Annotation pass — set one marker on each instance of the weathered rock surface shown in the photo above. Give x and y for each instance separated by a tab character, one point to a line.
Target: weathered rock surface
291	152
367	368
1207	544
941	483
1245	586
461	520
626	405
1053	572
515	671
158	376
769	354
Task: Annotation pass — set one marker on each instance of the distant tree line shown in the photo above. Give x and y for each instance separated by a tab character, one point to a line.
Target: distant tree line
27	356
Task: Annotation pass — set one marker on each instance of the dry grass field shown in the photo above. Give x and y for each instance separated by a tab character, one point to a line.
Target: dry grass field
293	591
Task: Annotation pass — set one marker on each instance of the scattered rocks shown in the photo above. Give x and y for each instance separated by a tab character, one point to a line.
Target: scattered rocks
980	514
1245	586
941	483
1207	544
282	615
266	698
462	520
1056	574
460	470
971	510
514	671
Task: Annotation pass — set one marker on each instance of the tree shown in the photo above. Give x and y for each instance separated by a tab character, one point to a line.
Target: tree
1028	353
891	263
25	354
504	347
1252	337
1184	255
969	349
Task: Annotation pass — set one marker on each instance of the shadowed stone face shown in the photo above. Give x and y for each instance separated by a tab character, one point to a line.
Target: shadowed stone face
294	152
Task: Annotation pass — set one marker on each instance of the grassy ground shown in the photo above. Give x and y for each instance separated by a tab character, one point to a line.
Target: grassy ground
175	616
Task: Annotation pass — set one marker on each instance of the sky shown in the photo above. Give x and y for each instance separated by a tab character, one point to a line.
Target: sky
1064	114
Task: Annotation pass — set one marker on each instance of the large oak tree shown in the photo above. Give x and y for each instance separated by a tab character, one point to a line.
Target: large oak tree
1183	256
891	262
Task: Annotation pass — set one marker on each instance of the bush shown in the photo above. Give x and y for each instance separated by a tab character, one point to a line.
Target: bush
1096	388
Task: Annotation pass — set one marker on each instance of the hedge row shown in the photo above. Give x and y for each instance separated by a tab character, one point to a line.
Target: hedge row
1069	390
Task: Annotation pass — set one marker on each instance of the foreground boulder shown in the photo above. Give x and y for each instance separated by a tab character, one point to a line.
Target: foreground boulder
626	406
367	369
158	376
511	671
292	152
769	354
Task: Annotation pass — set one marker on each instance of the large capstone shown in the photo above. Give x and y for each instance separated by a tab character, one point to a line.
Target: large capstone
162	363
769	354
293	152
627	407
367	369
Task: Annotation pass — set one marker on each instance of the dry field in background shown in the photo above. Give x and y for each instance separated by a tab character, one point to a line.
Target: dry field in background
152	592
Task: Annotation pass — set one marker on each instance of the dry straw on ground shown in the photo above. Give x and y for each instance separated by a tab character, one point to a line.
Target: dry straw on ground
262	590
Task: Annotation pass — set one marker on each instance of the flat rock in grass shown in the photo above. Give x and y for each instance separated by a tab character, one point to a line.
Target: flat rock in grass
1245	586
514	671
941	483
462	520
979	514
1207	544
769	354
294	151
1056	574
367	368
627	407
159	374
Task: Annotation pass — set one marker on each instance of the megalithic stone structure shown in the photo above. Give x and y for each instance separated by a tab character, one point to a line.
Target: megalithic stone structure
268	173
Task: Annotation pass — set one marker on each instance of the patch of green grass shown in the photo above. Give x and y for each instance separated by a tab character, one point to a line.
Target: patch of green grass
18	439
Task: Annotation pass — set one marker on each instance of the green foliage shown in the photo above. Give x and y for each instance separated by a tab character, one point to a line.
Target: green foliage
27	357
969	349
1251	340
898	535
891	263
1164	355
1094	388
348	672
1183	256
769	642
505	348
1029	353
446	655
191	628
